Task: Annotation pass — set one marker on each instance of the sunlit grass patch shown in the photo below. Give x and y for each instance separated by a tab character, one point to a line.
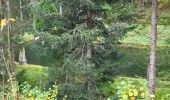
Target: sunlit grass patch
31	73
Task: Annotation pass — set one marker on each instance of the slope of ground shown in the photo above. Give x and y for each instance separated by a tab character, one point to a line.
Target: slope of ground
31	73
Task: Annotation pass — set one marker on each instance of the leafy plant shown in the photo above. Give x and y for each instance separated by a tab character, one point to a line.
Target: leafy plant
130	90
125	88
34	93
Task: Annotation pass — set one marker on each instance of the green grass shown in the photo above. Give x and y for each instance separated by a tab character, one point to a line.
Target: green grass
35	75
141	35
31	73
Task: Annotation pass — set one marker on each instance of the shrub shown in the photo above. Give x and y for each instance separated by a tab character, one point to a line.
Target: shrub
125	88
34	93
132	89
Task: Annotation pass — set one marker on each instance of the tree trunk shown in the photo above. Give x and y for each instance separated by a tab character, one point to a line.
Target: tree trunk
12	53
90	83
153	35
8	32
1	50
61	11
22	57
141	7
1	9
21	10
33	2
1	59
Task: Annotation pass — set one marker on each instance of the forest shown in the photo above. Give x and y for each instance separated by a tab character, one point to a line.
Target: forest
85	50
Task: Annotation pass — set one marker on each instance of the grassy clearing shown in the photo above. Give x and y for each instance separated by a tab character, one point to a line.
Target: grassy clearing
31	73
141	35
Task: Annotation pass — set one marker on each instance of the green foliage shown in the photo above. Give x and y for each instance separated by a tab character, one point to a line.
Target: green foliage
122	87
132	61
26	39
44	10
35	93
120	11
162	94
164	20
140	35
162	90
132	91
64	40
163	4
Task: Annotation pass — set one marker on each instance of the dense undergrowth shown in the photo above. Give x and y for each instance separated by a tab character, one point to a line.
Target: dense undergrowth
33	74
132	63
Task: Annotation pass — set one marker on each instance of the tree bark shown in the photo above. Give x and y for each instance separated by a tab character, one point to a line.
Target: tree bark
21	10
1	59
90	83
153	35
33	2
1	50
1	9
8	33
141	7
22	57
61	10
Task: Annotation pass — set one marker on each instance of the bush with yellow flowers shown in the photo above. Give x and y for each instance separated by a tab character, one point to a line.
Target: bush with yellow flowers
125	88
128	90
34	93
